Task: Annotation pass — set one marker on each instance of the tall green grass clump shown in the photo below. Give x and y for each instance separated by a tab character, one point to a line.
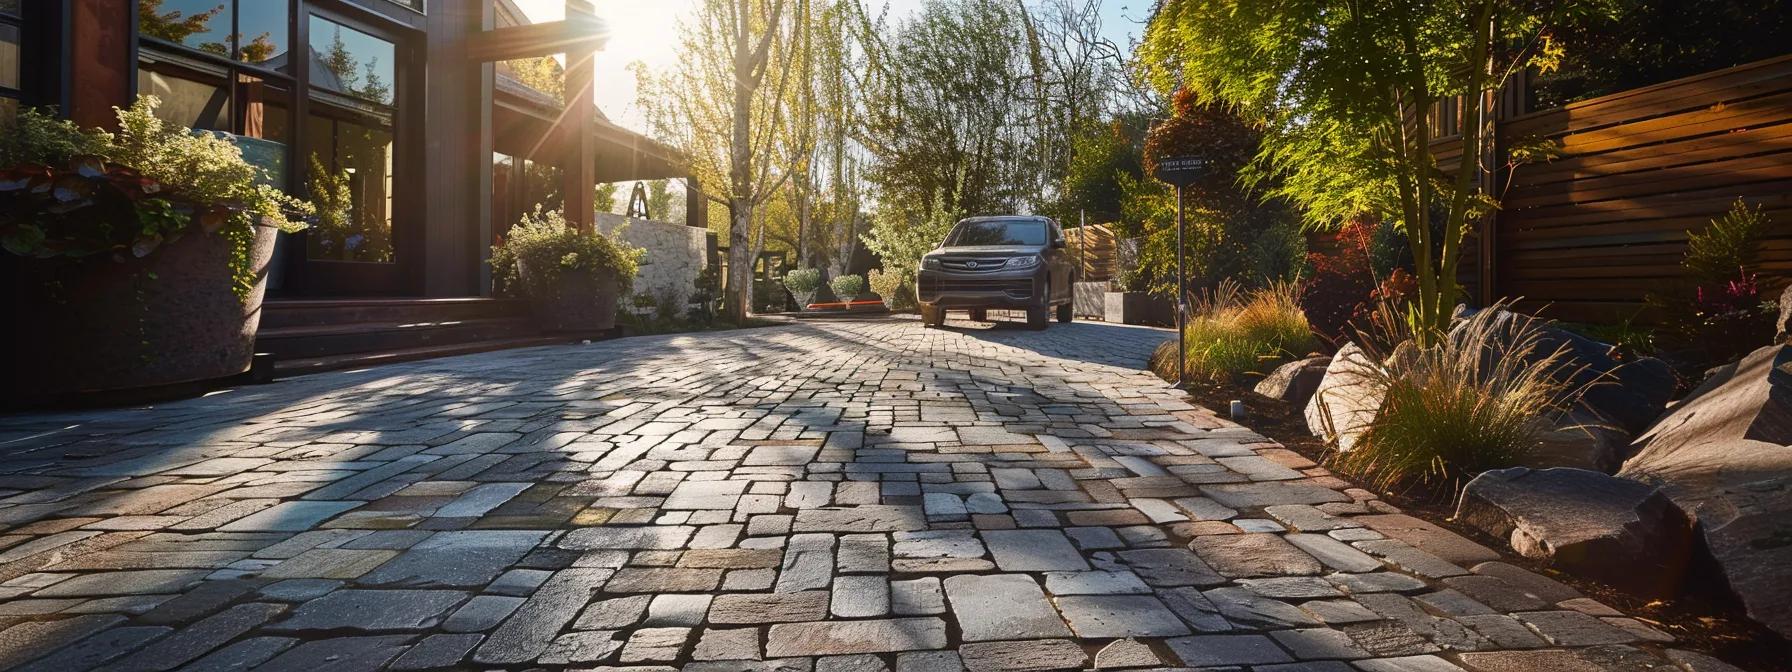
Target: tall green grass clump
1232	332
1480	397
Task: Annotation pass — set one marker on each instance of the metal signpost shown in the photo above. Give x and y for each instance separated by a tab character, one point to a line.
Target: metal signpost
1179	171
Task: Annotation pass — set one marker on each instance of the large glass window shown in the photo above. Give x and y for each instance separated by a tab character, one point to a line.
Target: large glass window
262	28
198	24
350	178
191	97
9	59
192	58
352	63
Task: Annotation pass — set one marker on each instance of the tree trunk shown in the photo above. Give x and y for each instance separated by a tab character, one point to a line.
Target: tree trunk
740	168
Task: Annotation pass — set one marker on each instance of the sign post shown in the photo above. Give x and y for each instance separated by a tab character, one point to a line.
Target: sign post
1179	172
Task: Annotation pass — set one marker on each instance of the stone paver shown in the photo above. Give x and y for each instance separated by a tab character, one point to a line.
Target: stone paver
839	496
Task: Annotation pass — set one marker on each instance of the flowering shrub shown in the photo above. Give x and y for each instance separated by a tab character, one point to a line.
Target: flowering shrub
1717	314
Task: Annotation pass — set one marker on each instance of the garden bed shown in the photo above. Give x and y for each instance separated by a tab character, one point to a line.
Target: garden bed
1698	620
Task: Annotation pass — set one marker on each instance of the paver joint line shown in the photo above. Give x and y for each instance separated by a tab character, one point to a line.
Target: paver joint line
858	494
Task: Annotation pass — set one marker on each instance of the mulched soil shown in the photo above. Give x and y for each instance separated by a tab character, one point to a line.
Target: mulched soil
1706	620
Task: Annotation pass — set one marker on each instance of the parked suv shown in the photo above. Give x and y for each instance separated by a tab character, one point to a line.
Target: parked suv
1003	262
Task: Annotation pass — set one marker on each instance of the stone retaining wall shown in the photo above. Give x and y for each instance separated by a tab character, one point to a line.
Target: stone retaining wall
675	255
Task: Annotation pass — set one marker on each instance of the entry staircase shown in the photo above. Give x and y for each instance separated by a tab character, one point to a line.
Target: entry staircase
310	335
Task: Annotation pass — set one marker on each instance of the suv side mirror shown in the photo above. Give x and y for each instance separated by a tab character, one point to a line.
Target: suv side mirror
1058	243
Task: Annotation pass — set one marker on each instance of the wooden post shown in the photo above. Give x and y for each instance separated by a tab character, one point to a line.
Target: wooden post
578	172
457	151
100	70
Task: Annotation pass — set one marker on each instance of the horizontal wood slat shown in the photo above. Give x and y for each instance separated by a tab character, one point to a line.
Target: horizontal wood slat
1588	235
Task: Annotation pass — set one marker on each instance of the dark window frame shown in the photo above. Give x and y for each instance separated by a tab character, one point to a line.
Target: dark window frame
16	22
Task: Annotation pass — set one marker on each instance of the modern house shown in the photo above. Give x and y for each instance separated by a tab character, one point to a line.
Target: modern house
442	146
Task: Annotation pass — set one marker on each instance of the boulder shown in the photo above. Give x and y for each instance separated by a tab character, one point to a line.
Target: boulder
1346	400
1622	532
1783	330
1625	395
1295	381
1581	441
1725	454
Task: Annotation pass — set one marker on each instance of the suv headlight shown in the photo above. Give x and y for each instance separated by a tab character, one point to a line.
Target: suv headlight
1022	262
930	263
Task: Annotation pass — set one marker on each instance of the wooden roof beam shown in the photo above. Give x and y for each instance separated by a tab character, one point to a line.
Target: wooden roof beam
580	31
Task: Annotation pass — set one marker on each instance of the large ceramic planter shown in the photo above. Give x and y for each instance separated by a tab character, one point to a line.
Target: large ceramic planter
575	301
97	324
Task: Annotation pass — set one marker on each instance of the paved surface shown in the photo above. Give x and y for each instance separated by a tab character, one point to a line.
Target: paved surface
825	496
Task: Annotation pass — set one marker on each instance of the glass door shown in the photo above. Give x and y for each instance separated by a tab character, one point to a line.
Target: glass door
352	163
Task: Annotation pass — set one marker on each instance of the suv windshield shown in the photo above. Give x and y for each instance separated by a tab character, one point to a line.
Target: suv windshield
998	232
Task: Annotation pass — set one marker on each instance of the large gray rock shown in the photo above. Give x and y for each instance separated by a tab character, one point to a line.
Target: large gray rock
1784	330
1581	441
1625	395
1295	381
1347	398
1725	454
1623	532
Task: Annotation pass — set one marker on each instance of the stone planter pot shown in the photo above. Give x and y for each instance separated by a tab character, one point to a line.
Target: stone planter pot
1138	308
570	301
95	324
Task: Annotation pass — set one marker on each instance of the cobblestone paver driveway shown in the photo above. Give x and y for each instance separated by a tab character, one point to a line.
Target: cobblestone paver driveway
833	496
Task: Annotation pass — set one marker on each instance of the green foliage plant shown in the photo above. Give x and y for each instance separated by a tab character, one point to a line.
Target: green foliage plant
73	193
890	286
548	242
901	236
1334	85
1715	312
1479	398
803	283
847	287
1232	333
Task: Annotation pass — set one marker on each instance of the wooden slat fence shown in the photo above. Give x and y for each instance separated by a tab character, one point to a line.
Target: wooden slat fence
1592	232
1098	249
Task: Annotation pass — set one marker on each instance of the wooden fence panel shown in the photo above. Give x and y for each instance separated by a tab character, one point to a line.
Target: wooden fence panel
1096	246
1586	236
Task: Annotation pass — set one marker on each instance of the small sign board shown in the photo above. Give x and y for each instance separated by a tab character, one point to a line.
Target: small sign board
1180	170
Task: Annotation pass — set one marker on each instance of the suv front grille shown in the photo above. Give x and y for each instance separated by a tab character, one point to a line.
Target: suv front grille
1020	288
973	264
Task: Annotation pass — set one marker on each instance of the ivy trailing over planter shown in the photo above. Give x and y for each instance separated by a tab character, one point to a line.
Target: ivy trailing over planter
68	192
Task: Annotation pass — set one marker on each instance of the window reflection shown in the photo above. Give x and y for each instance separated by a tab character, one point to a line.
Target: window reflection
541	186
262	29
265	110
350	178
199	24
503	210
189	98
9	56
350	62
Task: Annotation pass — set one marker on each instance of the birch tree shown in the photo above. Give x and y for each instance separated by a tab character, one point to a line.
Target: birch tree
724	106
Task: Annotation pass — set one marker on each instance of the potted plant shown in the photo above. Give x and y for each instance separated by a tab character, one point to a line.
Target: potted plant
141	255
890	287
846	288
572	279
803	283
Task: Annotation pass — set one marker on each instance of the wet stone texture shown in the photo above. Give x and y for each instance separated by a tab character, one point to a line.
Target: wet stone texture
848	495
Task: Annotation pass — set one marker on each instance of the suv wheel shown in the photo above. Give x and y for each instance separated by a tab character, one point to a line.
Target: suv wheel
1064	315
932	316
1038	318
